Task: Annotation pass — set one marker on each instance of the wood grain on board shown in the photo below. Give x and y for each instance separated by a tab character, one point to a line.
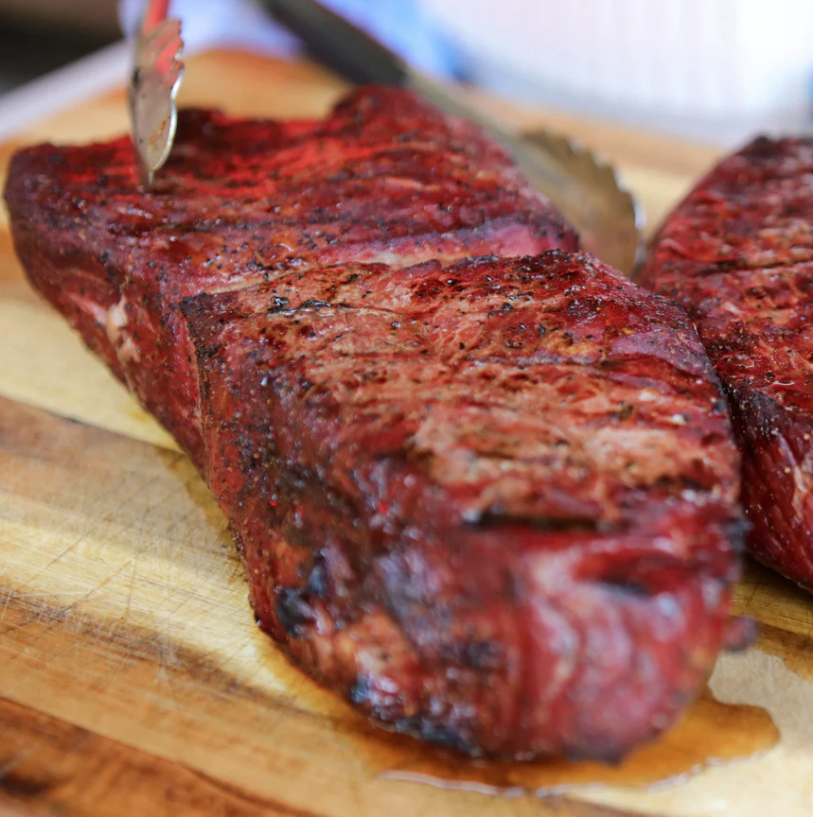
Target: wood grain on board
132	678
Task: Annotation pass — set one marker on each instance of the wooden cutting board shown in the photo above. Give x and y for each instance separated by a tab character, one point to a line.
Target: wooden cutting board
132	678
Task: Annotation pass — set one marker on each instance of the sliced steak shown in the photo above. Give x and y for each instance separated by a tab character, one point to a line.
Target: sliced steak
737	254
492	500
385	177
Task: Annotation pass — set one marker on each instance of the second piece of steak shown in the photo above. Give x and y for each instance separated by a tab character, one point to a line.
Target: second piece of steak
738	253
386	177
491	500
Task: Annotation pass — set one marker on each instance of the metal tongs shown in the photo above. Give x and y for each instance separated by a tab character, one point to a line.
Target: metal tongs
585	189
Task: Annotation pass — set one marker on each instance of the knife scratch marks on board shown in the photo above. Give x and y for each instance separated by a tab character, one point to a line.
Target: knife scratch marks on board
105	542
130	585
5	598
93	524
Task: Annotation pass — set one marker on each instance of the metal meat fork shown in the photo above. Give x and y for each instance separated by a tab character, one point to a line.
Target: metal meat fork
156	78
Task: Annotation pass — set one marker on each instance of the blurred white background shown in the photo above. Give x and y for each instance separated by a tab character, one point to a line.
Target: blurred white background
717	70
713	69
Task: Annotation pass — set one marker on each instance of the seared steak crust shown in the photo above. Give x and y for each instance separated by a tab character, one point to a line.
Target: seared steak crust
737	254
490	499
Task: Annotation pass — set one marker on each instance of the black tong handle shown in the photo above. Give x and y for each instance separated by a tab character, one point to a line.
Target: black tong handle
339	44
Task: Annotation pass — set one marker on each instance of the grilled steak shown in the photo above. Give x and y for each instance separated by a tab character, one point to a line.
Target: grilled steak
490	499
738	254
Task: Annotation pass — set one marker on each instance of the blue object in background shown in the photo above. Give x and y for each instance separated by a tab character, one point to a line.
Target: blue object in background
399	24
